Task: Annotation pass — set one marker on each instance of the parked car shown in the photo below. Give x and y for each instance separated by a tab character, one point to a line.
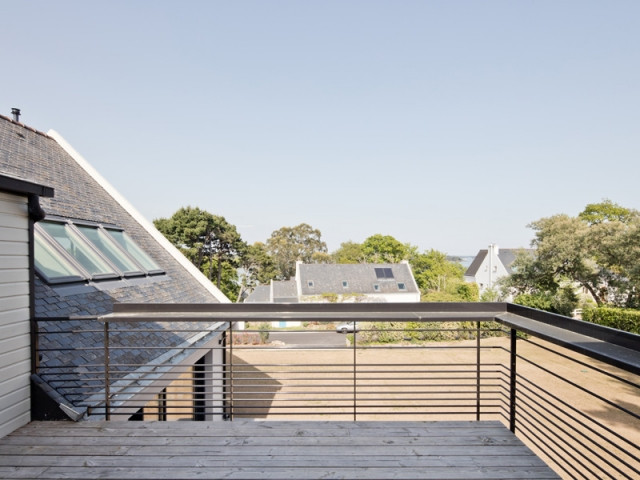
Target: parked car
347	327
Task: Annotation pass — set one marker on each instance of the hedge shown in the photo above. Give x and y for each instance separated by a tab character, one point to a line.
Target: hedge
620	318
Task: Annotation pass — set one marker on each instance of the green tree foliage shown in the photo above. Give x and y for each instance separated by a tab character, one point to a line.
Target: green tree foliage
209	242
599	250
349	252
290	244
384	249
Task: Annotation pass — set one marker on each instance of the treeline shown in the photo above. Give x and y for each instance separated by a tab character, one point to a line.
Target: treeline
215	246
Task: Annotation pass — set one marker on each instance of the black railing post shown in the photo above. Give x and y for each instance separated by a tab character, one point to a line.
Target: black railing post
231	371
107	380
355	378
478	371
512	382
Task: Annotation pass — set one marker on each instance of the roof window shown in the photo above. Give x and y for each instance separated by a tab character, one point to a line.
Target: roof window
401	286
52	266
134	250
72	252
376	287
90	260
109	249
384	273
310	283
345	284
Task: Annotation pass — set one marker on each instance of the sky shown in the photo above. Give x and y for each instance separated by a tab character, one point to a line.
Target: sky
445	124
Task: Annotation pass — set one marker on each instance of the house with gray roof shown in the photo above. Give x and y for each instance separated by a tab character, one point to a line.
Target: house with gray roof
87	249
363	282
490	265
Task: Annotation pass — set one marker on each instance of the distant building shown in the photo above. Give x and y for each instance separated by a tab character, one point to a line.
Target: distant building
388	282
490	265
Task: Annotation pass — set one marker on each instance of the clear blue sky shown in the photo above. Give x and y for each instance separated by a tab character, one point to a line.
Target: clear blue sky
447	124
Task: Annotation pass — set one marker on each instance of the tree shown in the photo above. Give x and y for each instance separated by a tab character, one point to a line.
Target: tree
209	242
384	249
290	244
597	250
257	267
349	252
441	280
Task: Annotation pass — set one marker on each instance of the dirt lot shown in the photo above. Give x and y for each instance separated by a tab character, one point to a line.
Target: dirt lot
432	383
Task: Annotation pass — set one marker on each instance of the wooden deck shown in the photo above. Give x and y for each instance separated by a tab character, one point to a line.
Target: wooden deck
268	450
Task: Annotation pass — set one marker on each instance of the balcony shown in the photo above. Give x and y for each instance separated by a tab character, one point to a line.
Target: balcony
420	391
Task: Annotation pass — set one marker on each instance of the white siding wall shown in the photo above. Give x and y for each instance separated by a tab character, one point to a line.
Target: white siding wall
15	352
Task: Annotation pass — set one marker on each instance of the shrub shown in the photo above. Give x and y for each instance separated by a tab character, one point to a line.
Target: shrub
619	318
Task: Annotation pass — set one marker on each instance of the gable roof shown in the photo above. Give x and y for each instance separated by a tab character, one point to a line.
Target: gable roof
81	194
360	278
506	256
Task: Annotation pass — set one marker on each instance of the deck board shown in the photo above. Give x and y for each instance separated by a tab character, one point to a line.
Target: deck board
268	450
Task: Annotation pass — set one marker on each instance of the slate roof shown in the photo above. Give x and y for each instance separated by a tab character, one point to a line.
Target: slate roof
260	294
506	255
33	156
360	278
285	291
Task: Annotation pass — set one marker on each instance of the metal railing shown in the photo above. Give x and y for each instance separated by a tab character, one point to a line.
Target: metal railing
568	390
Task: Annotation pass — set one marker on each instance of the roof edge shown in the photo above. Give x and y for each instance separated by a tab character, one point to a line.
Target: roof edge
148	226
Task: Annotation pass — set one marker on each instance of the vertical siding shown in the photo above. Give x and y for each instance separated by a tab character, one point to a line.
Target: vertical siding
15	363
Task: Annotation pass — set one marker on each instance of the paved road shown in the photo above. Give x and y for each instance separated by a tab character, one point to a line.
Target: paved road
323	338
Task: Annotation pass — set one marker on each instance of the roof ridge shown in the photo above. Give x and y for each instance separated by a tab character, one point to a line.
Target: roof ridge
20	124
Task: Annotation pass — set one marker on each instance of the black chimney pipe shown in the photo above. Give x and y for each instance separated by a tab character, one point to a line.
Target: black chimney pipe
16	114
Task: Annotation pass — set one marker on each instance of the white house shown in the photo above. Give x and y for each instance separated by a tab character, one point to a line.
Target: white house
490	265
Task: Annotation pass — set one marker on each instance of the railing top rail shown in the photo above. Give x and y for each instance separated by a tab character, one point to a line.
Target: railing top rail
254	308
617	348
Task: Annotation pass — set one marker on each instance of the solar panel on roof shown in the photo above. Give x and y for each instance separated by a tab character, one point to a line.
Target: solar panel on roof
383	273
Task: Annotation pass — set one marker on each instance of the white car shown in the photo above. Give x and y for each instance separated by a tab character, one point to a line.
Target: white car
347	327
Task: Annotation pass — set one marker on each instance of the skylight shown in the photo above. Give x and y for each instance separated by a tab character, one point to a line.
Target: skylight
134	250
51	265
70	252
80	251
109	249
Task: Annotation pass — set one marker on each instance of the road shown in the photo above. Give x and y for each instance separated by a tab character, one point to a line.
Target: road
328	338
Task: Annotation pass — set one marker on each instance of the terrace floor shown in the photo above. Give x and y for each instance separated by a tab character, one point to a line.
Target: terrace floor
268	450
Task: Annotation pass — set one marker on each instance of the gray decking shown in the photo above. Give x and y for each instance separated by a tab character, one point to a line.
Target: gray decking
268	450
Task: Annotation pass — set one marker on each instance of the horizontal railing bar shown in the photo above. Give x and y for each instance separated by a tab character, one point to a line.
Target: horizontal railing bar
528	386
574	438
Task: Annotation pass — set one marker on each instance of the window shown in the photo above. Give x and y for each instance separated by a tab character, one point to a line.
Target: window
401	286
68	252
345	284
383	273
134	250
52	265
110	250
79	250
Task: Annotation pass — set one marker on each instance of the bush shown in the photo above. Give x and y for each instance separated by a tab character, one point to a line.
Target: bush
619	318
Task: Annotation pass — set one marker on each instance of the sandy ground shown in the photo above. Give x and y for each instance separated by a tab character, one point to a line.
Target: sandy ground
432	383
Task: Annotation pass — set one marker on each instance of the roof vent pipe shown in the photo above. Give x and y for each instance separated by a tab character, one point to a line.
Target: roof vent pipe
16	114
